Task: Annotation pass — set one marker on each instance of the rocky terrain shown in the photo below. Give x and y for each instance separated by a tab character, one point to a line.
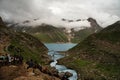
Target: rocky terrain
98	56
20	72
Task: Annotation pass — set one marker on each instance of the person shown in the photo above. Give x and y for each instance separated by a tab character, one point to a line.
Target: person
6	59
9	59
37	66
14	59
30	64
20	59
2	60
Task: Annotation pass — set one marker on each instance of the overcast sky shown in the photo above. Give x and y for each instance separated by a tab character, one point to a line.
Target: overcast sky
105	12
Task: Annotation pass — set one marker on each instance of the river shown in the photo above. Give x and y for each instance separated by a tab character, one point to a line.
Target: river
53	48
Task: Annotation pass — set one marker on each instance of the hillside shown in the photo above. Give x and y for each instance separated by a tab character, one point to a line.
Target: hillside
44	32
21	43
98	56
49	34
80	35
20	72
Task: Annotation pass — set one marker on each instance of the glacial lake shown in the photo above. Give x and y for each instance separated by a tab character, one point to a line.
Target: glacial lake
59	46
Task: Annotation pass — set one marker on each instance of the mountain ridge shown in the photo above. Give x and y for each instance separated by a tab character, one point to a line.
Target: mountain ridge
59	35
97	57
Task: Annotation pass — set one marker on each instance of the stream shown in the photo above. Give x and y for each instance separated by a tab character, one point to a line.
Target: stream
53	48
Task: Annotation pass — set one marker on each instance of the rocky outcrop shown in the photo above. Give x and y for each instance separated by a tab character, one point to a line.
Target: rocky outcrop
94	24
79	35
1	22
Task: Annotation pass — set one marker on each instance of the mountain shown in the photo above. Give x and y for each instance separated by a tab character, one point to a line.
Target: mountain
44	32
112	28
48	33
98	56
21	43
80	35
54	34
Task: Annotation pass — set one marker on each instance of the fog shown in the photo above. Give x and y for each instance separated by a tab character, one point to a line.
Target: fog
106	12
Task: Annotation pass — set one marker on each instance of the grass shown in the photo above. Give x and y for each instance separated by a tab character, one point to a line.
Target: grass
109	69
43	37
51	37
28	46
81	63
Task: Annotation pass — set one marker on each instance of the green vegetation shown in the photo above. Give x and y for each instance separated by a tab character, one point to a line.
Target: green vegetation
29	47
81	63
98	56
43	37
51	37
22	44
82	34
45	33
109	69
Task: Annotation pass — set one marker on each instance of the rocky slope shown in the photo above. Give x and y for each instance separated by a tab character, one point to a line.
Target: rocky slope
20	72
98	56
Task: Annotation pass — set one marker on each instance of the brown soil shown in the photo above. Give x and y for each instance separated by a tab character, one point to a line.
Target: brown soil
21	73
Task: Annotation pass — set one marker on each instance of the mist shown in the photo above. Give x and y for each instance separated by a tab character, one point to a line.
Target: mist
106	12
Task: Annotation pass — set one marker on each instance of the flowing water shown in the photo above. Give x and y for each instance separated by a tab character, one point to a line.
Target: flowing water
53	48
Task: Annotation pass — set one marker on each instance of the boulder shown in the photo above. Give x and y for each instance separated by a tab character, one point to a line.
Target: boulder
37	71
68	74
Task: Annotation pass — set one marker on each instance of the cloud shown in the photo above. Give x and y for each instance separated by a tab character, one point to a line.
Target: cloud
105	12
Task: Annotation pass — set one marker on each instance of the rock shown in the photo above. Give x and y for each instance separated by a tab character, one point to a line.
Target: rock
37	72
30	72
54	72
61	74
94	24
45	69
1	22
68	74
20	78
